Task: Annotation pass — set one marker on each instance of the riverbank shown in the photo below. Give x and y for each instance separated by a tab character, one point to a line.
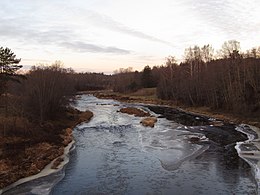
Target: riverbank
27	154
149	97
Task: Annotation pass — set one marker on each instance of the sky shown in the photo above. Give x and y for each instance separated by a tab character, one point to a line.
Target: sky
105	35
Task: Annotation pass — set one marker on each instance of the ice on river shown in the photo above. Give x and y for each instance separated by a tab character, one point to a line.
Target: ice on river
250	149
167	141
115	154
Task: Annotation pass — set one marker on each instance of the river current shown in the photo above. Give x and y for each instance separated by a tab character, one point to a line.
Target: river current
115	154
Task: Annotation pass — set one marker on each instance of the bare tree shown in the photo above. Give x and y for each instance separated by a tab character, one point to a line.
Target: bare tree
207	53
45	91
229	47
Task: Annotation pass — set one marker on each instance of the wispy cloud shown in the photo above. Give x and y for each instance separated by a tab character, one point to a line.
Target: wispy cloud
86	47
235	18
62	37
107	22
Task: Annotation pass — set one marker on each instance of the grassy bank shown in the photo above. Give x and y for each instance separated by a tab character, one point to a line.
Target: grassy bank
148	96
27	147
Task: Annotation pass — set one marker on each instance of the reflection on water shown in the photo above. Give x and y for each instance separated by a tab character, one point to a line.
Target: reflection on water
116	155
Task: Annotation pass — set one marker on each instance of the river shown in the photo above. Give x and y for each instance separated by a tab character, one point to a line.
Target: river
115	154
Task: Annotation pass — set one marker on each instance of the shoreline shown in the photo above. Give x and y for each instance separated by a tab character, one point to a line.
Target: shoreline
48	169
43	158
252	157
203	111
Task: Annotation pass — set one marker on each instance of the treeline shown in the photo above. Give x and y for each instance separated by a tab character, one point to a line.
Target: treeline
227	80
91	81
45	91
41	94
127	80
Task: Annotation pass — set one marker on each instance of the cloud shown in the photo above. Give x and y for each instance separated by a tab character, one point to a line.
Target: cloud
86	47
109	23
33	60
234	18
23	31
13	29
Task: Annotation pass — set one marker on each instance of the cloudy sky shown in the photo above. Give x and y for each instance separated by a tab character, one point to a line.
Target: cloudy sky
104	35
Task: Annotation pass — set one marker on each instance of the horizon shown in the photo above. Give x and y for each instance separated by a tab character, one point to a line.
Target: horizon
98	36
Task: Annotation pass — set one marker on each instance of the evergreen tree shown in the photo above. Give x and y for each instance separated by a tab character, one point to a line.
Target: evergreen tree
8	67
147	77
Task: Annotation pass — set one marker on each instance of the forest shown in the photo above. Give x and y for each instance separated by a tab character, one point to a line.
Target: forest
229	80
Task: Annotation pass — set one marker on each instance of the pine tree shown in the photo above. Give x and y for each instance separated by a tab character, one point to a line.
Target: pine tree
8	67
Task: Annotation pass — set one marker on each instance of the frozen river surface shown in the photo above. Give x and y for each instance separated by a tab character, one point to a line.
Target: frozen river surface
115	154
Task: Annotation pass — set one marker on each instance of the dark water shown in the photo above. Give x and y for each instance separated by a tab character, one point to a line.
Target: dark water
114	154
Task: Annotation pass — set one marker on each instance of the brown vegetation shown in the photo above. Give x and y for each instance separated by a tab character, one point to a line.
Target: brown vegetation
149	121
28	152
85	116
134	111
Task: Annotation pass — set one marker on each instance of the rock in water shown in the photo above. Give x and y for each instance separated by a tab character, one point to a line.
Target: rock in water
194	139
149	121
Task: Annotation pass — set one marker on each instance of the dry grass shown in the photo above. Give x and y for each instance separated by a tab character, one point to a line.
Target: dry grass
85	116
27	147
134	111
145	92
226	116
14	126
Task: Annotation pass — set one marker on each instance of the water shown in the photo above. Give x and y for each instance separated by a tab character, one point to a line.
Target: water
249	150
114	154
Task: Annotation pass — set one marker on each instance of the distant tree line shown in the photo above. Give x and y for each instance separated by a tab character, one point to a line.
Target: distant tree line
91	81
127	80
227	79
